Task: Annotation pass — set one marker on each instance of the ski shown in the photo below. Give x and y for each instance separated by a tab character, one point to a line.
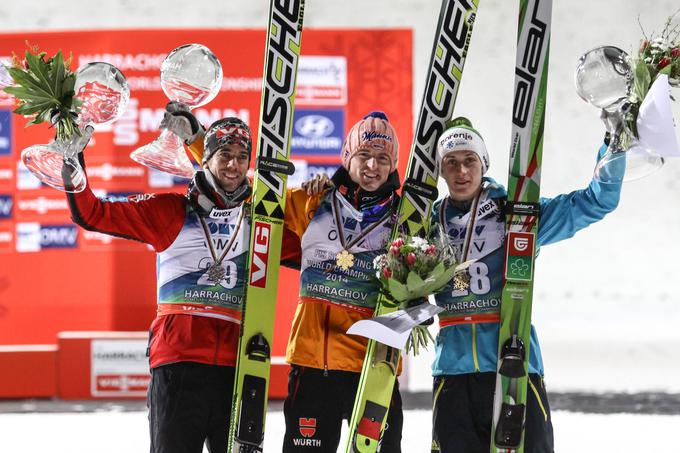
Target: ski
272	167
522	216
454	30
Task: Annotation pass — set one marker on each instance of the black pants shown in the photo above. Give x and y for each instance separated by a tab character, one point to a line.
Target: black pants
189	404
316	405
463	409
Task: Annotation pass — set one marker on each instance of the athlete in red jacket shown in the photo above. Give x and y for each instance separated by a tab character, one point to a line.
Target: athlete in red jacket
201	240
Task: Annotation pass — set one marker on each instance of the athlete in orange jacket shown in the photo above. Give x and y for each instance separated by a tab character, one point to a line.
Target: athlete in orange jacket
341	231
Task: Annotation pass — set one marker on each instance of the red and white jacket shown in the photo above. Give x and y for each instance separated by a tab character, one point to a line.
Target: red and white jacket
197	320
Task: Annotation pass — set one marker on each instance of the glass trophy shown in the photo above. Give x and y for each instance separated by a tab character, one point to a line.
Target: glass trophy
104	93
191	75
604	78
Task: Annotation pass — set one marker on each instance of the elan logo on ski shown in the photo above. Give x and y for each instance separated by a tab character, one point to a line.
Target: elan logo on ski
258	268
307	427
519	262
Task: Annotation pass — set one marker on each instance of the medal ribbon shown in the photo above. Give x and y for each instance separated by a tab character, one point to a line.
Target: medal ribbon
208	237
341	233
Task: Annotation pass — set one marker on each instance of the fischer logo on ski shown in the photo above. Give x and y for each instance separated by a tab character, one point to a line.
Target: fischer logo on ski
279	87
258	268
442	85
452	39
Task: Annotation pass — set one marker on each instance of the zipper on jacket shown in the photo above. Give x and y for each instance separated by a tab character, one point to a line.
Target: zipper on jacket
474	347
325	340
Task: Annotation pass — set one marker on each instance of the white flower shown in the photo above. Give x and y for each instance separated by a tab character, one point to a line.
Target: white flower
379	262
418	242
660	42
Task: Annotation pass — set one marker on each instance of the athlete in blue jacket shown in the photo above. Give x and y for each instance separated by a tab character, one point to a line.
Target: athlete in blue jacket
467	345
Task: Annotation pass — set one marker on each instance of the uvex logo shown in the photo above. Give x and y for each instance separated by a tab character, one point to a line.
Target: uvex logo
441	88
280	74
307	427
258	266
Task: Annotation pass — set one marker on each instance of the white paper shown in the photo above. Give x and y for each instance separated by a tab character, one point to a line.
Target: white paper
655	121
394	329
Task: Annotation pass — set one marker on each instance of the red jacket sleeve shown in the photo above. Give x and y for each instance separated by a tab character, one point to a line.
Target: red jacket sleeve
155	219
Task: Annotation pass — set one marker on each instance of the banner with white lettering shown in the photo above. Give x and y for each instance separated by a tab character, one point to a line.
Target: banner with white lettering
87	280
119	368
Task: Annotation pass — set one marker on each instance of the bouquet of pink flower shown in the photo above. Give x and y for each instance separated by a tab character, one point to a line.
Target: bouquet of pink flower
414	268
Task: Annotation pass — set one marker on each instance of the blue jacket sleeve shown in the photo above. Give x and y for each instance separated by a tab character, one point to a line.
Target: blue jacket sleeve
564	215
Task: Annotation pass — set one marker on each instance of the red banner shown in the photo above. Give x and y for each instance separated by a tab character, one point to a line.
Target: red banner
55	276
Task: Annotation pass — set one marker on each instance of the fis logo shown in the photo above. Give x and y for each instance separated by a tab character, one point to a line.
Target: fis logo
5	206
258	267
307	427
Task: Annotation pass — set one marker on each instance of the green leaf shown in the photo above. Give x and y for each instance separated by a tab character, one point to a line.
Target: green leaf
397	290
666	70
414	283
642	80
23	78
40	70
57	73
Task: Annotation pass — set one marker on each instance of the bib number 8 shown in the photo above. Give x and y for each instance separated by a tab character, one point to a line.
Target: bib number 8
480	283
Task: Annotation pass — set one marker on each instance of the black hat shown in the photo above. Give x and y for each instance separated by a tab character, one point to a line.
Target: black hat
224	132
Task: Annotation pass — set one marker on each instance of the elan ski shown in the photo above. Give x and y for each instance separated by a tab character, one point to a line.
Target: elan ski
522	216
454	29
251	385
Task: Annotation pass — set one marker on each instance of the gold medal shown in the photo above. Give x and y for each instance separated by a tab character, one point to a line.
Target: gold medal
461	281
344	260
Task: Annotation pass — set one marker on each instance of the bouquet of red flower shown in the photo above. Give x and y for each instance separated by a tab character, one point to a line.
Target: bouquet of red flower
414	268
658	54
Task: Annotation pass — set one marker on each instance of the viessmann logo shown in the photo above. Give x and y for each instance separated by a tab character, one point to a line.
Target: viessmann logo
43	205
258	267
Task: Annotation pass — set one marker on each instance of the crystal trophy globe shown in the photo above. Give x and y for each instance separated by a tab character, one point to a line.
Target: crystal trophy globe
604	78
103	93
191	75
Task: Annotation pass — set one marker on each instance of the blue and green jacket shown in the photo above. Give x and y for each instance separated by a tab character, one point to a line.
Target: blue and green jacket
468	339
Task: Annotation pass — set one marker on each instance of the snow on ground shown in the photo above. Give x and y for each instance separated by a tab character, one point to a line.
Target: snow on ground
116	432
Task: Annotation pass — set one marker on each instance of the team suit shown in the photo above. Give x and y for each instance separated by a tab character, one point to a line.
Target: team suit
193	340
326	361
466	347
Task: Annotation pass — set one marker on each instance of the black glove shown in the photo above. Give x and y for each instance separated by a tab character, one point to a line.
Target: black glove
179	120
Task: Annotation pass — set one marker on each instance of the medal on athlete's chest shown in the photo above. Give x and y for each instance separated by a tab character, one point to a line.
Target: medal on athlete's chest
461	281
344	260
216	273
